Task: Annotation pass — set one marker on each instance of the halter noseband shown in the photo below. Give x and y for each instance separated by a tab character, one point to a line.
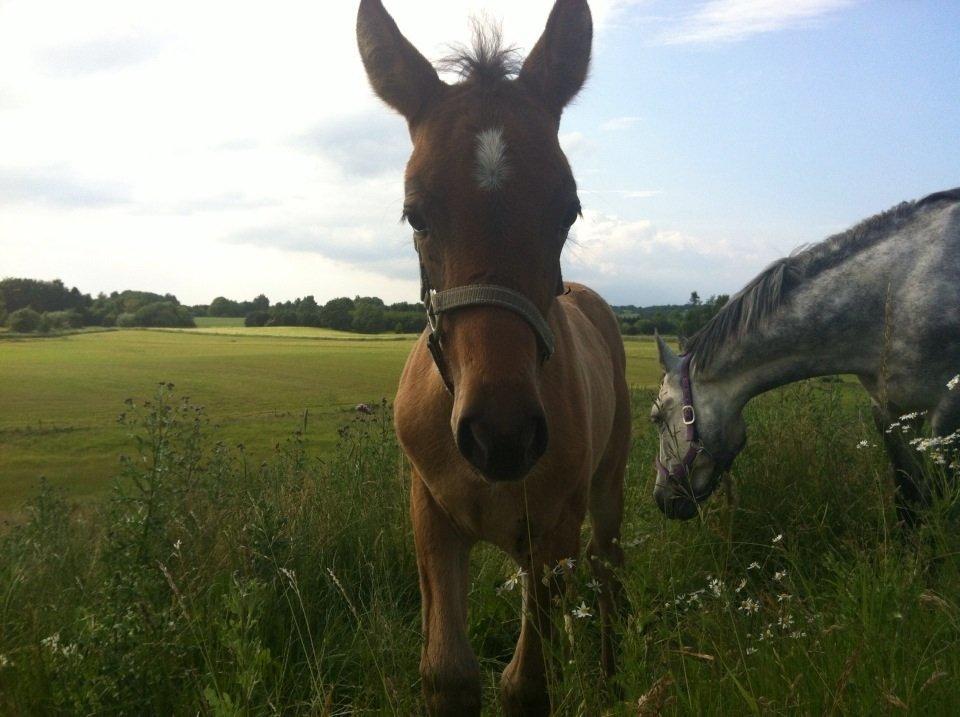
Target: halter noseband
689	414
436	303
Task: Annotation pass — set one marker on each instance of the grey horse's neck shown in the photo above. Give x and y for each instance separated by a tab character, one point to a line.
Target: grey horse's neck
831	309
830	323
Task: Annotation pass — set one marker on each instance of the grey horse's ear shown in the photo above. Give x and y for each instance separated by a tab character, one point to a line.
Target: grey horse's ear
557	65
398	73
668	359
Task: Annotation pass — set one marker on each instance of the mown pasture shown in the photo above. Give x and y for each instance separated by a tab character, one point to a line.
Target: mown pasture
60	396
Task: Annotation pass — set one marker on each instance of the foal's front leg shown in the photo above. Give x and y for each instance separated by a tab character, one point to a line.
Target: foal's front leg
449	670
523	686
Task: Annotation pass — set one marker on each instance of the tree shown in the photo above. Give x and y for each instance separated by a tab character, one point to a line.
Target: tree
694	299
261	303
164	314
337	314
368	317
25	321
224	307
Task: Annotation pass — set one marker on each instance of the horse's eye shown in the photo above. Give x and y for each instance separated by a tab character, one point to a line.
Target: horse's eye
573	211
415	220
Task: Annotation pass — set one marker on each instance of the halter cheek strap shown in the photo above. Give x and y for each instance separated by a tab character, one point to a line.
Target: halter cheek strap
689	414
723	459
438	303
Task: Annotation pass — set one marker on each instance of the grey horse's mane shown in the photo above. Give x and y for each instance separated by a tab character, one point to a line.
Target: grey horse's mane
487	58
749	308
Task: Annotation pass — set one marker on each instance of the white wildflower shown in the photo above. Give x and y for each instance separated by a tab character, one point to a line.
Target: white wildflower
568	563
784	597
741	585
864	444
780	575
785	621
594	585
797	634
582	612
512	581
715	585
749	606
893	426
753	566
778	539
751	650
912	416
953	382
52	643
4	661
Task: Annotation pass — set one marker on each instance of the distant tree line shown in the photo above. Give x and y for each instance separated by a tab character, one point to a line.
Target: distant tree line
32	306
29	305
672	319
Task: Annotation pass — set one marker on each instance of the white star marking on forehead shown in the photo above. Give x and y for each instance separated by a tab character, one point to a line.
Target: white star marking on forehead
491	169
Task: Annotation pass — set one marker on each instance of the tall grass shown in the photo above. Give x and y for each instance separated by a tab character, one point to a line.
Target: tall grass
209	583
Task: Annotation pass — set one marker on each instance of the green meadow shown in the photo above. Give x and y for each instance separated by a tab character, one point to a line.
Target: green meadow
60	396
232	563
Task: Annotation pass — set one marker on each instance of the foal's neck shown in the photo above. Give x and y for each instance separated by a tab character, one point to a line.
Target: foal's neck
830	324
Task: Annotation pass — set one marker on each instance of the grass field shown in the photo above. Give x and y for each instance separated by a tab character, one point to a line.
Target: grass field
207	583
212	322
60	396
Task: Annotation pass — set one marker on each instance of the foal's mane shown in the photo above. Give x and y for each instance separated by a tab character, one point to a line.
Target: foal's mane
751	306
486	59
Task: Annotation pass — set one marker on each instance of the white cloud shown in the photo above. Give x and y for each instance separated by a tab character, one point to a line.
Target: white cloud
635	260
732	20
213	147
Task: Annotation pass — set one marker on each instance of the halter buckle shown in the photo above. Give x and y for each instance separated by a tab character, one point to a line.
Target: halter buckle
689	415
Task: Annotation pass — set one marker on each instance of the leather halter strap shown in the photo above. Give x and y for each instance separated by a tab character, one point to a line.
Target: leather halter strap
438	303
689	415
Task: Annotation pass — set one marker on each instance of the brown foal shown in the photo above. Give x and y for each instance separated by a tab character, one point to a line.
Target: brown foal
513	407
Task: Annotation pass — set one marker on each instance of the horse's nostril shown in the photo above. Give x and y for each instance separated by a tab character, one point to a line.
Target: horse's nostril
540	438
502	456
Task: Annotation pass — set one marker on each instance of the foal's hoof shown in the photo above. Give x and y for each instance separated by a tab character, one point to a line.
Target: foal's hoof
520	700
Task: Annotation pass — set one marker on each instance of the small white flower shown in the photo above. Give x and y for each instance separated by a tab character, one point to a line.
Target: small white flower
864	444
778	539
715	585
912	416
797	634
582	612
4	661
753	566
953	382
568	563
741	585
751	650
749	606
892	426
594	585
780	575
176	546
512	581
52	643
785	621
784	597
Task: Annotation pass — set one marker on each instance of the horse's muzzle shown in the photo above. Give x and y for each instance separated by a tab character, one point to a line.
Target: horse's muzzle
502	455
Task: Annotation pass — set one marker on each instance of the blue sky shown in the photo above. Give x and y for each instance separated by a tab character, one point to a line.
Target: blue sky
213	148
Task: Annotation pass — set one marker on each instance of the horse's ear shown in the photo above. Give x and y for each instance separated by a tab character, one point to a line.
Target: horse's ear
557	66
399	74
668	359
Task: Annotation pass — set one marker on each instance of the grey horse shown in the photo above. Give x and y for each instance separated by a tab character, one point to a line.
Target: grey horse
880	301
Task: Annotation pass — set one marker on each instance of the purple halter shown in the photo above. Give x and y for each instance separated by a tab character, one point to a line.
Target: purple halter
690	421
